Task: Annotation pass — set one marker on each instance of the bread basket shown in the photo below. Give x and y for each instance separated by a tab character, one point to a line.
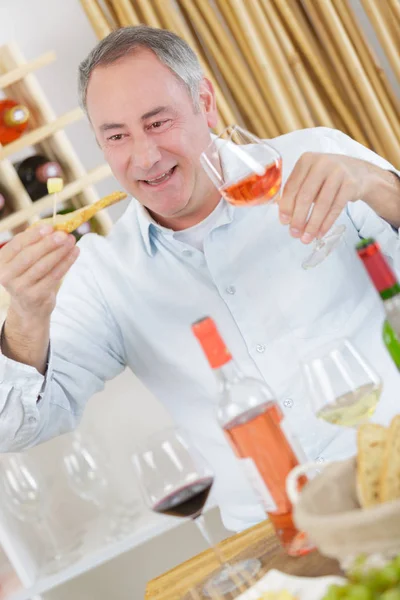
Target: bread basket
328	510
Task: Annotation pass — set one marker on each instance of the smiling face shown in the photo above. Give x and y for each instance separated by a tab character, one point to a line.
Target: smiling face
152	137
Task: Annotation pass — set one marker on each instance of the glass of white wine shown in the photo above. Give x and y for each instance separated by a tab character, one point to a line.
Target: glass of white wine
343	388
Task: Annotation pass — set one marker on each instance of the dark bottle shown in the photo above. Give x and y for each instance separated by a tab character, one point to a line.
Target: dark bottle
82	229
3	207
34	172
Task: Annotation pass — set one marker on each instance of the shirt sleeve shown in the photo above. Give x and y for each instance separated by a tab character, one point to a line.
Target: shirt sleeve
364	218
86	350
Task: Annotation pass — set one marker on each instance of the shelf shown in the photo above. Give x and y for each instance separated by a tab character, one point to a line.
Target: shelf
41	133
69	191
145	530
19	72
57	146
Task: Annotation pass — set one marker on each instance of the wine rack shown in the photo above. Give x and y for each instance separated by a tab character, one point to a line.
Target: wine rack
46	136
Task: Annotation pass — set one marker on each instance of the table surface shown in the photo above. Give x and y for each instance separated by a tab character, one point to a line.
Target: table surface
258	542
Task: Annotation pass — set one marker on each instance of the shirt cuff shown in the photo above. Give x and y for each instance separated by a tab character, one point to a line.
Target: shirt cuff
20	375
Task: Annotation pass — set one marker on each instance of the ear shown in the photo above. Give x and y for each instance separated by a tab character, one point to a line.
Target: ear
208	104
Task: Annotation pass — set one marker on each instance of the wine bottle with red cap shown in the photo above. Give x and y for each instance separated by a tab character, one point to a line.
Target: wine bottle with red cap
34	172
257	431
385	282
13	120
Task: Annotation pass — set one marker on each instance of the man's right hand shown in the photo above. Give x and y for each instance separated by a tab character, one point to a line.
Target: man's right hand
32	266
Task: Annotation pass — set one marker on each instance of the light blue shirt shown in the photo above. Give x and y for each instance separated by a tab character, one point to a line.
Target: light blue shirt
132	296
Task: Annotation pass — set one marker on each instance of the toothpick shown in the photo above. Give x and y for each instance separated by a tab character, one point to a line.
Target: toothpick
54	186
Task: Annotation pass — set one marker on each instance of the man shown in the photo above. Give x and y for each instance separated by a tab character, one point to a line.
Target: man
179	253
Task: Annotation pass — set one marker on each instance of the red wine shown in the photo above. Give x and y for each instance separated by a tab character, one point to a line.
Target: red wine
187	501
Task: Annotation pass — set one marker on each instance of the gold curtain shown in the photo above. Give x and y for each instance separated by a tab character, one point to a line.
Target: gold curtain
281	65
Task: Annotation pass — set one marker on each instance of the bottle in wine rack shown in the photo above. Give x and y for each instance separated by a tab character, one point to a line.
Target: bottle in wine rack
34	172
13	120
5	236
3	206
257	432
388	287
82	229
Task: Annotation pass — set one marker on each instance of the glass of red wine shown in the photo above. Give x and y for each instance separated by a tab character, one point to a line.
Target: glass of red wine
176	481
247	171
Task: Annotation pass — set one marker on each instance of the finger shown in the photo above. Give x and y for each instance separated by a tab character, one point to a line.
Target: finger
306	196
323	205
341	200
295	180
40	269
23	240
31	255
61	269
50	284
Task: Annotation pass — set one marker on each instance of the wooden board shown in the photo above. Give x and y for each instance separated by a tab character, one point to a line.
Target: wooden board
258	542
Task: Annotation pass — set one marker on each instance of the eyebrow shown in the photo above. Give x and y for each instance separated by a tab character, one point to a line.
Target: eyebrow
151	113
154	112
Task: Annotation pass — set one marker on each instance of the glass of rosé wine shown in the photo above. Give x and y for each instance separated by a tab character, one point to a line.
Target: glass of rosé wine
247	171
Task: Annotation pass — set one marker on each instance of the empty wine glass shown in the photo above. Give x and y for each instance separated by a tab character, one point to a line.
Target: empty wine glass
247	171
344	389
27	497
90	480
176	481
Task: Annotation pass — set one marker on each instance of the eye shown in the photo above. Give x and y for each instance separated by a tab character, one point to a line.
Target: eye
158	124
116	137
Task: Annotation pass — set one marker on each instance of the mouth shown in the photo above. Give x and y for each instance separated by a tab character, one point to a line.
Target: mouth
156	181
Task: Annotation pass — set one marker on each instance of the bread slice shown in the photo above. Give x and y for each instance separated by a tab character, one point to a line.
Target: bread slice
75	219
371	443
389	488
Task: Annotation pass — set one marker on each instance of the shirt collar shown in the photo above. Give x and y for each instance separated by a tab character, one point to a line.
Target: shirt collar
146	224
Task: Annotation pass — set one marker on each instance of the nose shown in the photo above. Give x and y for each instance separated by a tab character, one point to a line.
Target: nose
145	154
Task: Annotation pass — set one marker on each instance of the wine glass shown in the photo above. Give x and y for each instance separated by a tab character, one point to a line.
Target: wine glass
344	389
247	171
90	480
27	497
176	481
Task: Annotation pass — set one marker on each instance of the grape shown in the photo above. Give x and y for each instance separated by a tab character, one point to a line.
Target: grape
393	594
336	592
359	592
389	575
369	584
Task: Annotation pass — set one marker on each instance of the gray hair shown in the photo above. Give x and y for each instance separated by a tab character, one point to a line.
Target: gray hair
170	49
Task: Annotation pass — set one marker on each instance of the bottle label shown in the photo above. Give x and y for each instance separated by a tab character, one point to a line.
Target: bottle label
293	441
258	485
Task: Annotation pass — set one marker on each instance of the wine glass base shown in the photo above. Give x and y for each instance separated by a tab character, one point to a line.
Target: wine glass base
324	247
232	577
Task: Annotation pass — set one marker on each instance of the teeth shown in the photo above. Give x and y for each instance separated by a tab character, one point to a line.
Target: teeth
159	179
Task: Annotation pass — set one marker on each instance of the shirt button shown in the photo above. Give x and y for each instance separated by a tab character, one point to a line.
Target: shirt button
320	459
231	290
288	403
260	348
187	253
32	420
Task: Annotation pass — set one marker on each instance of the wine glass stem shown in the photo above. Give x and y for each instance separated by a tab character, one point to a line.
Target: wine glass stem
223	563
204	532
52	539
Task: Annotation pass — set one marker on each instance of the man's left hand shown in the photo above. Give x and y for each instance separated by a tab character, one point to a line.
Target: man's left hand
324	183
